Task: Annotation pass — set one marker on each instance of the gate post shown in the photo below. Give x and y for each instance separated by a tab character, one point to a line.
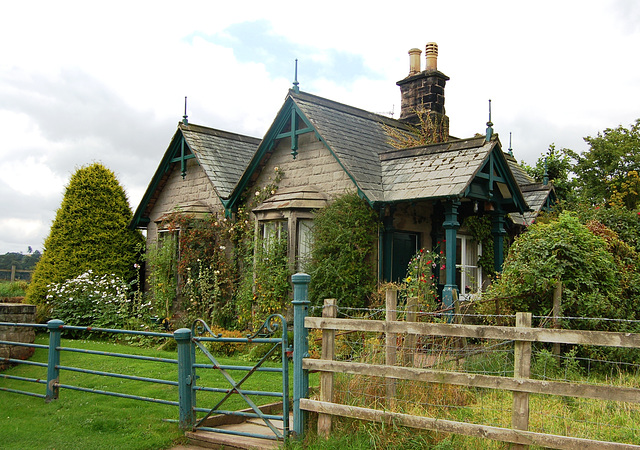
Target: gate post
53	363
186	379
300	348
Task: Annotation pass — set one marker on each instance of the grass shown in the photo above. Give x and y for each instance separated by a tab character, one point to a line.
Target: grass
79	420
13	289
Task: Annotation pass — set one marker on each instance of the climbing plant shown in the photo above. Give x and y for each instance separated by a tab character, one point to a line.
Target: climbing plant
344	237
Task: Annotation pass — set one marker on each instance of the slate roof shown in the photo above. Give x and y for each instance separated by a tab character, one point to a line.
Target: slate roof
357	138
534	193
222	155
434	171
359	141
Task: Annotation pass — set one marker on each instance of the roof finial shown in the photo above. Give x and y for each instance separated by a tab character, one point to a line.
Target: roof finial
510	149
296	89
489	124
545	176
184	118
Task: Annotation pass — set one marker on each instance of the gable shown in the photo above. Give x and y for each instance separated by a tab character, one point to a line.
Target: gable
465	168
221	155
354	137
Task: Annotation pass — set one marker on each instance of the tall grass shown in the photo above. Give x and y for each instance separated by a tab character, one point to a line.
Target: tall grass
13	289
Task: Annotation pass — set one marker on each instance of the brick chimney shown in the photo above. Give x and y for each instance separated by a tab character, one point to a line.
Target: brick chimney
423	91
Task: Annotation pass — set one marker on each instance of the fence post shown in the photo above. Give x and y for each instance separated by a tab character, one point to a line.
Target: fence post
13	273
391	344
326	378
557	312
53	364
186	379
410	339
300	349
521	369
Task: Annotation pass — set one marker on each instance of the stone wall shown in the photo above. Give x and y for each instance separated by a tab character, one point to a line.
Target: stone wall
179	192
314	166
16	313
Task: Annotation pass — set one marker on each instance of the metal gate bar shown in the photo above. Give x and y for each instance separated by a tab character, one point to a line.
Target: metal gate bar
274	324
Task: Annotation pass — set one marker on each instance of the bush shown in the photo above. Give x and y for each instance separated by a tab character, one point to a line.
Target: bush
89	233
90	300
567	251
344	238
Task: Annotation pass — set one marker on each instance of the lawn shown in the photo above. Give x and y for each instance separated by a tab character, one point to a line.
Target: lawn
80	420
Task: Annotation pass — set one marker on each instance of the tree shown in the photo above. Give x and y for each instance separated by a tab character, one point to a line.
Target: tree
555	165
608	172
589	266
89	232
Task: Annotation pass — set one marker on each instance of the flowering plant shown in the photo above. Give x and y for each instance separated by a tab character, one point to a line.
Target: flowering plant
421	280
90	300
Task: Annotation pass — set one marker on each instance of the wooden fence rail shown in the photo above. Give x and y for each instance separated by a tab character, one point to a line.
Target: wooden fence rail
13	272
520	384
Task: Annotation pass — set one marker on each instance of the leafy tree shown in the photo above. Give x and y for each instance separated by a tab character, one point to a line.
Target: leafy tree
565	250
344	237
89	232
556	165
608	172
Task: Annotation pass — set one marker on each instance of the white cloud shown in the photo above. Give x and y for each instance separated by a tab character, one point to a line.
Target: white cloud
85	81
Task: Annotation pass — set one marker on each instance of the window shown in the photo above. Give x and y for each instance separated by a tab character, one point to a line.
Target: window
468	273
305	239
273	229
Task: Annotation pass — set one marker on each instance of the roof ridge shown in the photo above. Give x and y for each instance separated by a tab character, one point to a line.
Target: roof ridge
348	109
216	132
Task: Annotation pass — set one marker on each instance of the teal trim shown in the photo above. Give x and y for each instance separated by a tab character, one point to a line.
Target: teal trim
498	231
174	153
186	379
450	226
53	366
300	349
494	170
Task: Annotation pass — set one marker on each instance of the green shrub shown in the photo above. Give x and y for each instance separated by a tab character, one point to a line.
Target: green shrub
90	300
564	250
89	233
344	239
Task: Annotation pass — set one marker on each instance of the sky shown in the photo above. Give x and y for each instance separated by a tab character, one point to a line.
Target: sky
84	82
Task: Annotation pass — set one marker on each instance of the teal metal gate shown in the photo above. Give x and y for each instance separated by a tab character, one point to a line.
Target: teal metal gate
272	332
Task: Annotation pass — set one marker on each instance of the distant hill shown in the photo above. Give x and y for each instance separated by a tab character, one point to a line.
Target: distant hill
20	260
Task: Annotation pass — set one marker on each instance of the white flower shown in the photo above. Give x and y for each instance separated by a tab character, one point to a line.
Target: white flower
257	193
222	247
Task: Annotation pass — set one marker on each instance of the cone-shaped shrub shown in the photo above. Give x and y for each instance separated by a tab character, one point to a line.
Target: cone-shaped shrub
89	233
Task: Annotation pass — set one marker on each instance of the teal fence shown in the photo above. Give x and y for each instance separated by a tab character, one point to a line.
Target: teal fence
273	331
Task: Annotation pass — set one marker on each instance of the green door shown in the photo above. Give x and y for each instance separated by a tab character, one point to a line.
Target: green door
404	246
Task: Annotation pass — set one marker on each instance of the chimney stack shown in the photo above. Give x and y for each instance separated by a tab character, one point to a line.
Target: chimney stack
431	52
423	92
414	61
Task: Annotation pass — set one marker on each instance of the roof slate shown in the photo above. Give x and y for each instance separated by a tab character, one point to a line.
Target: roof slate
535	194
357	137
222	155
434	171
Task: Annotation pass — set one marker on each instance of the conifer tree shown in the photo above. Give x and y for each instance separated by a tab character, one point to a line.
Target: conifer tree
89	232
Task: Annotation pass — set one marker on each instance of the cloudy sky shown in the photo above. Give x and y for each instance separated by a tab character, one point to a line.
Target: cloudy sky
84	82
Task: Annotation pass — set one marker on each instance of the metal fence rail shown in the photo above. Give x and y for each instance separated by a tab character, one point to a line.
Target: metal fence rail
187	342
53	366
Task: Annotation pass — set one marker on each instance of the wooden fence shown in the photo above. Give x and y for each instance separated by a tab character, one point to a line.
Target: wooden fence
520	384
13	274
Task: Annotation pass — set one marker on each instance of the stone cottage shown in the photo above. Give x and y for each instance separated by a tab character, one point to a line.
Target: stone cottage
422	194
